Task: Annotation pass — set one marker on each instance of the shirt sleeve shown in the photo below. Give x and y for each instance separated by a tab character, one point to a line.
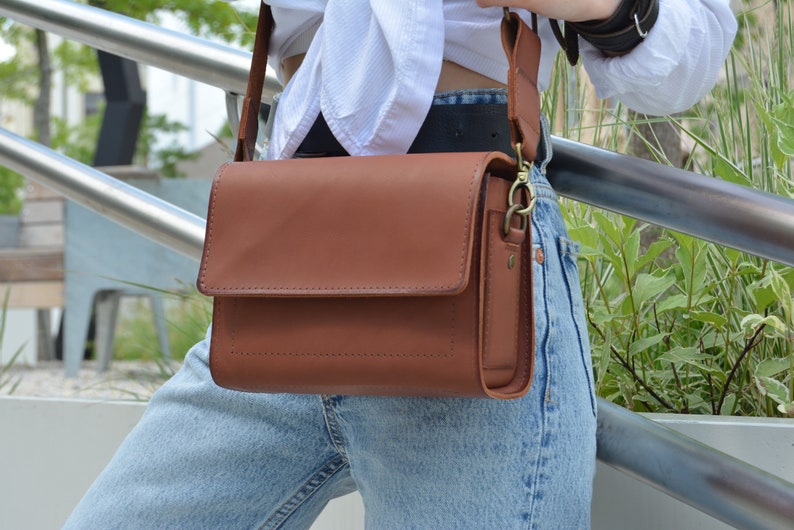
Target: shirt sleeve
296	24
675	66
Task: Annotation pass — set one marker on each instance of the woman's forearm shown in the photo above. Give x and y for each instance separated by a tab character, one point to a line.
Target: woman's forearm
572	10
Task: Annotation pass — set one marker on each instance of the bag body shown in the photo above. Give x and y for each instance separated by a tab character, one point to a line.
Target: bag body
377	275
386	275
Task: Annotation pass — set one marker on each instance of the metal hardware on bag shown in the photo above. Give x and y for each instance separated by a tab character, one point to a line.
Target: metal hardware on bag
509	217
511	262
522	181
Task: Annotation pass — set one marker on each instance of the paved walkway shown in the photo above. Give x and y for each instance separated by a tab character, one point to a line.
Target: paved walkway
126	380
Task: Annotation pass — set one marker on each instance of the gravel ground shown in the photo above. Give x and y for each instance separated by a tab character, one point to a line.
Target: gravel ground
125	380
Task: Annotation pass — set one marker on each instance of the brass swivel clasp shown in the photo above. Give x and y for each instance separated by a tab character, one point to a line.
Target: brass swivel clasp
521	183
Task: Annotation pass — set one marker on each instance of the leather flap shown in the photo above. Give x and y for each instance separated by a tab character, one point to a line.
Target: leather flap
346	226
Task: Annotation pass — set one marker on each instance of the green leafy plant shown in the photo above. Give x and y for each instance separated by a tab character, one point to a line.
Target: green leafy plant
27	75
678	324
80	141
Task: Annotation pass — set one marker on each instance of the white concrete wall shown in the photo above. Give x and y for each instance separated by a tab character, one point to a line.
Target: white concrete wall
51	451
20	333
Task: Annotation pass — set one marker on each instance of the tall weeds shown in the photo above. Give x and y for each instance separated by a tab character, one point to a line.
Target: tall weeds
678	324
8	380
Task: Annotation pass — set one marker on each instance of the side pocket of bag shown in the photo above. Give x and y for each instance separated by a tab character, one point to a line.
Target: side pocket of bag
569	251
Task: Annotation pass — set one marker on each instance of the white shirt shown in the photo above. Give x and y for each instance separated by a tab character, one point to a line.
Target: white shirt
371	66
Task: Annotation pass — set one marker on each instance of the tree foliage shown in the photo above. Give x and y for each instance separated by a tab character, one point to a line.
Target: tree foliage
22	76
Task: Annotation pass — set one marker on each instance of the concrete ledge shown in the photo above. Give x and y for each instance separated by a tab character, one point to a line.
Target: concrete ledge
52	449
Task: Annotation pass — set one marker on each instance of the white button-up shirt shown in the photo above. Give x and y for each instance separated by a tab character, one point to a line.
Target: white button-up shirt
371	66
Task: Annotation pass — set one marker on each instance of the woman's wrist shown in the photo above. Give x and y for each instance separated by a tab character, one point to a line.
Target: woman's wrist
625	29
571	10
617	35
600	10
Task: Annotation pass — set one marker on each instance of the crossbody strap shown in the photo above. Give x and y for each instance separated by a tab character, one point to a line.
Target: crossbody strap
522	47
249	123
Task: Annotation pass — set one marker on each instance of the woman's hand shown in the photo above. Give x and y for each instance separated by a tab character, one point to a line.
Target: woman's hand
571	10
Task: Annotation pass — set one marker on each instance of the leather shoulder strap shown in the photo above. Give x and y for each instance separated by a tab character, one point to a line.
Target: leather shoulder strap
249	124
521	45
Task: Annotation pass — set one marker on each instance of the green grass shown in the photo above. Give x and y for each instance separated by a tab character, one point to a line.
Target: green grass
187	318
8	381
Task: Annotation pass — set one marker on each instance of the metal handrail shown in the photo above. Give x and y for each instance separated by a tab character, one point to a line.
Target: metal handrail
715	483
731	215
710	209
132	208
704	478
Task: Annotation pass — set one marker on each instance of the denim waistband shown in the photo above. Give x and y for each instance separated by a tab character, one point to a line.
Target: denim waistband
498	96
458	121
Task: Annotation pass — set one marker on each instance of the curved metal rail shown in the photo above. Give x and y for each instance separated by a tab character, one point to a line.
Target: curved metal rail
137	210
711	481
714	210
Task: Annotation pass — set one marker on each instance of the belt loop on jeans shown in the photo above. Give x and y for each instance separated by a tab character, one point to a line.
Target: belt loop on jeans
545	152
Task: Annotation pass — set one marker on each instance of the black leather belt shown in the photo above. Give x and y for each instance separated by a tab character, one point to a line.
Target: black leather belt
447	129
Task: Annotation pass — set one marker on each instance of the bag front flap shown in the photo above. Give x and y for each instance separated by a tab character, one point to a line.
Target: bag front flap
345	226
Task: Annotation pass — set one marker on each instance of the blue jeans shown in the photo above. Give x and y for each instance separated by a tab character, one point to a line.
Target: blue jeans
207	457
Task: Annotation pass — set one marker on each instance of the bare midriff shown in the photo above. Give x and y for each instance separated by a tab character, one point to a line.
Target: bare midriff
453	76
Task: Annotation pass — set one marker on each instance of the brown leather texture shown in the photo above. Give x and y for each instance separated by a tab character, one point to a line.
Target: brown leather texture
382	275
249	123
522	47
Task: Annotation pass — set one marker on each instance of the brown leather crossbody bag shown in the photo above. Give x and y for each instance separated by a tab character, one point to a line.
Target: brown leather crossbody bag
379	275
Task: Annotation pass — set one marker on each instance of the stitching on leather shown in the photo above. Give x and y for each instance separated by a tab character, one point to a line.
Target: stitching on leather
214	339
522	73
339	291
233	325
488	289
322	354
527	293
517	321
431	391
208	238
234	351
469	208
452	333
363	289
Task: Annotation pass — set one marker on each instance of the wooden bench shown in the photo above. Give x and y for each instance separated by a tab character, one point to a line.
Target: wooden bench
31	260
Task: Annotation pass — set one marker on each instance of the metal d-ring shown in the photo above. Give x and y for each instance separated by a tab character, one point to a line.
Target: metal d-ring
513	210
